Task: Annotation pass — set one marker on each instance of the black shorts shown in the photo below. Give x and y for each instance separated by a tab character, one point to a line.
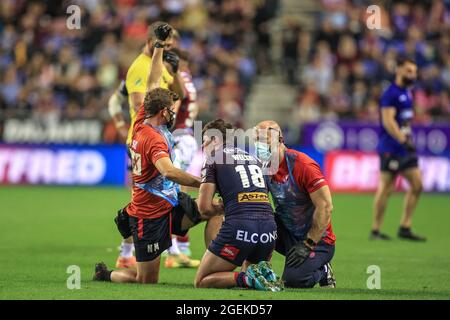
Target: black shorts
150	236
395	164
239	240
186	207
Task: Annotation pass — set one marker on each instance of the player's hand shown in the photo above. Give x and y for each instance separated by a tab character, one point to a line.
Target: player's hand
218	206
172	59
297	255
162	32
409	146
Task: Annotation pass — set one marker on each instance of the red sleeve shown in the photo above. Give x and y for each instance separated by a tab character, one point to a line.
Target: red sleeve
140	117
157	149
309	176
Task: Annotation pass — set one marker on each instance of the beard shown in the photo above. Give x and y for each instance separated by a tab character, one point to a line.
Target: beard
408	81
171	122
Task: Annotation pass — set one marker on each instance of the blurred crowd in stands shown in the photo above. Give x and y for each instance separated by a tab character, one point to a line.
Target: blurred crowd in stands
341	67
52	73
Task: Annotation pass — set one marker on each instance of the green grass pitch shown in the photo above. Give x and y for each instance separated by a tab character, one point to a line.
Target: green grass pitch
44	230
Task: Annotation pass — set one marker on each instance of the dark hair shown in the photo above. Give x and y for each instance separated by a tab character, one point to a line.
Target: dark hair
158	99
402	59
218	124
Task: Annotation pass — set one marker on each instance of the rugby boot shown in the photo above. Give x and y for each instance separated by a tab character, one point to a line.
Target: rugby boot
256	280
406	233
101	272
265	269
180	261
376	235
328	281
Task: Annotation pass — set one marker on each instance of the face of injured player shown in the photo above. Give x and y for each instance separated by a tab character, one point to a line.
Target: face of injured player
215	134
210	144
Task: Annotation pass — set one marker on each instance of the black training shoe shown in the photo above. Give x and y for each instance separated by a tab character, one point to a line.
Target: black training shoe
329	281
376	235
101	272
406	233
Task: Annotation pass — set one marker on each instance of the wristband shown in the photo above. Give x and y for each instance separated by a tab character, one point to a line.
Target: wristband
159	45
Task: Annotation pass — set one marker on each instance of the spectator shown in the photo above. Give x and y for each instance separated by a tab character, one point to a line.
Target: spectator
75	70
291	36
355	62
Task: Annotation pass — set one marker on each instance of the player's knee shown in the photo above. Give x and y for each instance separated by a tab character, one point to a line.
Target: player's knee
198	282
146	279
417	188
294	280
386	191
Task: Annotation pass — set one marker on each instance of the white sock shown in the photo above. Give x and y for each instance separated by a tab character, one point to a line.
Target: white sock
126	249
183	246
174	248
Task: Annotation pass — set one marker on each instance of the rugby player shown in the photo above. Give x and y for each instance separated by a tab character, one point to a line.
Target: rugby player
397	151
115	110
248	234
157	207
134	88
185	144
303	207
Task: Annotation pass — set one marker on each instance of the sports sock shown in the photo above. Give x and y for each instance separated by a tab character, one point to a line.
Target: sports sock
241	279
183	246
174	249
107	276
126	249
183	239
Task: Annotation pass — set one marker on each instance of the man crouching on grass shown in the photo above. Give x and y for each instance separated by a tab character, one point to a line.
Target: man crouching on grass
248	234
157	207
303	208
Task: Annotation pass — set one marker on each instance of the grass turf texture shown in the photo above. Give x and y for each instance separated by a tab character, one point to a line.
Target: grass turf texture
44	230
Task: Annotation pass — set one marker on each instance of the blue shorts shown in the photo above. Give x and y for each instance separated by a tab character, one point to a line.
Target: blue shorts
239	240
395	164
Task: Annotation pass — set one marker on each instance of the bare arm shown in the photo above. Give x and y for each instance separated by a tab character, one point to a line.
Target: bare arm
137	99
154	79
391	126
115	111
205	198
168	170
178	85
322	214
207	205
